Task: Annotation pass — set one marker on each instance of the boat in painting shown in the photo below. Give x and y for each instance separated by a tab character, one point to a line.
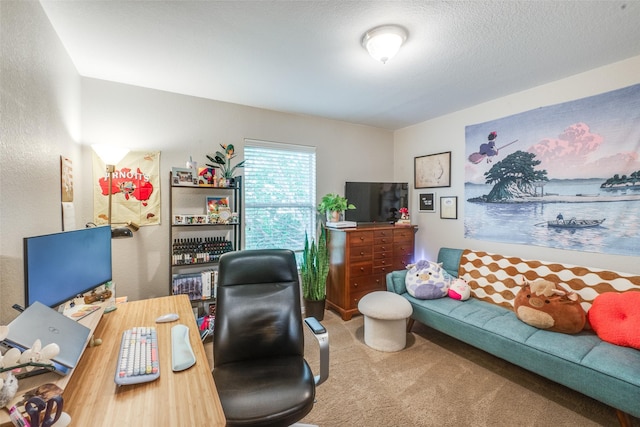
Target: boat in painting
575	223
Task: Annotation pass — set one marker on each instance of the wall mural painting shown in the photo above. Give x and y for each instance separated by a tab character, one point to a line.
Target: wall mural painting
565	176
135	190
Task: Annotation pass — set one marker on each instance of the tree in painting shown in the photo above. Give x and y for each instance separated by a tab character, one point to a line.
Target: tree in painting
513	177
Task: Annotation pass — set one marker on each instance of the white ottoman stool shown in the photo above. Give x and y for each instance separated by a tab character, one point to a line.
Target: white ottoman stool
385	320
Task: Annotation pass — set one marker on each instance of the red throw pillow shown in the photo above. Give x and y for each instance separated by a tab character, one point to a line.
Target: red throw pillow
615	317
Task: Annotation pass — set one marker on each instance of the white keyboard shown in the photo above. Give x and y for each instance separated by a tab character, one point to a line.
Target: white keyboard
182	356
138	358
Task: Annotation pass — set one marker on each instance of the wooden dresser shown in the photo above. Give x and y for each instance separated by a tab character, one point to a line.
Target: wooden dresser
360	259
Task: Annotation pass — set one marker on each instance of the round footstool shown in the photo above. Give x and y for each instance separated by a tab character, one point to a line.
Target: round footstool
385	320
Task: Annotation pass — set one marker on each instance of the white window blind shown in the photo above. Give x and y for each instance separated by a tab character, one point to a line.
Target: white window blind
280	193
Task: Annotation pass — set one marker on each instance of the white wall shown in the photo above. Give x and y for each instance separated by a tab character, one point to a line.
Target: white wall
447	133
40	110
182	126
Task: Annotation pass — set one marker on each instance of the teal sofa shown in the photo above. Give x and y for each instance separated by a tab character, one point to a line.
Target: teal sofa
583	362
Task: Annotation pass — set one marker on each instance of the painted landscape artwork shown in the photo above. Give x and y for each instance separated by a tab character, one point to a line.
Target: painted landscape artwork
565	176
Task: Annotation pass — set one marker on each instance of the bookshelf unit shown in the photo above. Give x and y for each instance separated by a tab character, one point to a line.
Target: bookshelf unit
197	239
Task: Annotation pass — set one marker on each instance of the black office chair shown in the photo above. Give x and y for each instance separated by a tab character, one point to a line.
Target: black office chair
258	341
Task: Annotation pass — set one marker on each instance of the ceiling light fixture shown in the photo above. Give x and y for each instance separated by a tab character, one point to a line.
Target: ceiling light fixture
383	43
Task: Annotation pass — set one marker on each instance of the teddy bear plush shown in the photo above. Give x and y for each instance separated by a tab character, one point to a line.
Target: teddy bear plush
545	305
459	289
427	280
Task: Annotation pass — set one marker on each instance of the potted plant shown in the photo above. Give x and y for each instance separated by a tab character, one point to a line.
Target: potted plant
314	269
222	161
333	206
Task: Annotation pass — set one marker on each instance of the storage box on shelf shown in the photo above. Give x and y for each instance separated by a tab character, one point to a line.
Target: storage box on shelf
360	258
205	223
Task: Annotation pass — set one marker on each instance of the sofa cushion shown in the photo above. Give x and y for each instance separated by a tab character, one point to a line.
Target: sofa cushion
615	317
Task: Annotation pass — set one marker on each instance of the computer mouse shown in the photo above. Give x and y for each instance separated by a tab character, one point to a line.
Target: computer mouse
169	317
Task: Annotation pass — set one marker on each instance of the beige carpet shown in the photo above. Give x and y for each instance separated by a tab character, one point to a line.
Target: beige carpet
437	381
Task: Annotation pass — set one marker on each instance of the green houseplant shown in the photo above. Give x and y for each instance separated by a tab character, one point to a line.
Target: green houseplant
333	205
222	161
314	269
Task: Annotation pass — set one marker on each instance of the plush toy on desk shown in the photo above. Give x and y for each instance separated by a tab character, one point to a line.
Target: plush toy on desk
459	289
545	305
427	280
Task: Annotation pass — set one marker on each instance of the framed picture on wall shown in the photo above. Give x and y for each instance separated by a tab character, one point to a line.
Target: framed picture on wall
432	170
449	207
427	202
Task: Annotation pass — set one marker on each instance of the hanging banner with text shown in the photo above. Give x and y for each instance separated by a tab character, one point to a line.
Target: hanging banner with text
135	190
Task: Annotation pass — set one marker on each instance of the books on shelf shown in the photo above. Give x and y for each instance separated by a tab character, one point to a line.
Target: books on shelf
198	286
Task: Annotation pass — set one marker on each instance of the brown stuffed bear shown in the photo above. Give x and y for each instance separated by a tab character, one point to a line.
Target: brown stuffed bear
544	305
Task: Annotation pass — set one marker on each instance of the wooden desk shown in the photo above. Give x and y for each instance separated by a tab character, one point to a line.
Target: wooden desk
187	398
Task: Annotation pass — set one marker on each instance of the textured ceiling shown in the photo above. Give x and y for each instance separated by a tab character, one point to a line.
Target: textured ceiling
305	57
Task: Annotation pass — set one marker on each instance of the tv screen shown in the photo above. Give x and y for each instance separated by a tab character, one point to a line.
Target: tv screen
376	201
59	266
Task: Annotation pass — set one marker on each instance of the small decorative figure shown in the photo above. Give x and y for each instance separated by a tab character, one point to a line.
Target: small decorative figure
8	390
404	216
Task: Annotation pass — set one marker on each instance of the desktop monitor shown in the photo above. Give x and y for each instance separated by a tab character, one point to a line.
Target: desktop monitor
60	266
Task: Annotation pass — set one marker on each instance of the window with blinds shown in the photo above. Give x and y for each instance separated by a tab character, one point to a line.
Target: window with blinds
280	192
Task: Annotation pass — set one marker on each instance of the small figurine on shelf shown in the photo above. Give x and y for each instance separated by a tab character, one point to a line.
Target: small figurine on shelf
404	216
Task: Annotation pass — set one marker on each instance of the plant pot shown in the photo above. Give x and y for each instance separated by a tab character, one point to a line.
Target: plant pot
314	308
334	216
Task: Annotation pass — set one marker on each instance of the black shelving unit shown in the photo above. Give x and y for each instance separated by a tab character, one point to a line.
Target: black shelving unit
195	244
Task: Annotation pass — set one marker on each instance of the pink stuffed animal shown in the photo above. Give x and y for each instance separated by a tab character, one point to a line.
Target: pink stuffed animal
459	289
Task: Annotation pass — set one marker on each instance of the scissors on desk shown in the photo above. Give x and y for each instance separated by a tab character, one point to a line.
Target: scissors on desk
52	410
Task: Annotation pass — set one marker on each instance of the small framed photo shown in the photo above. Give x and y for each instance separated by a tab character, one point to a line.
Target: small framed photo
433	170
215	204
427	202
206	177
449	207
183	177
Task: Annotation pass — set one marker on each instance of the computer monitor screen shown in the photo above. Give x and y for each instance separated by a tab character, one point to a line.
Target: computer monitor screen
59	266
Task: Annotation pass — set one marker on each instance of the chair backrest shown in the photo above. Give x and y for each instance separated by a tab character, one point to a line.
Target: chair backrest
258	311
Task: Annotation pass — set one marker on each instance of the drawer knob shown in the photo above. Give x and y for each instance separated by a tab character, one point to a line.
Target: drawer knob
355	285
361	268
361	252
361	238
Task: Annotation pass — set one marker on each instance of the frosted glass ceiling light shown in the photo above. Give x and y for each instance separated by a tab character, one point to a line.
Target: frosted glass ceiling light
383	43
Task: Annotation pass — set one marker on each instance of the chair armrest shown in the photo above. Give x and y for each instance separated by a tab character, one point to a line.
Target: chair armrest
321	334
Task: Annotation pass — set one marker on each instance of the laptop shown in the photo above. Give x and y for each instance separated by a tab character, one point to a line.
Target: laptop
41	322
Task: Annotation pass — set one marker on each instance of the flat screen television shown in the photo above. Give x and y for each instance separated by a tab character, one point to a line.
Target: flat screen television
376	202
59	266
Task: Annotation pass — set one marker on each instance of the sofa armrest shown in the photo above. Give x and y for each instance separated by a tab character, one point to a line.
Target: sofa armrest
450	259
395	281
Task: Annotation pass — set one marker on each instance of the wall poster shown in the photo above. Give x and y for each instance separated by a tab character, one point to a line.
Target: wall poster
135	190
565	176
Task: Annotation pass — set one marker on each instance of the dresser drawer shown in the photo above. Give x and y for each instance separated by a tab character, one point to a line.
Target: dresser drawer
361	269
401	234
383	247
360	253
382	262
402	248
355	297
383	241
360	238
388	255
379	234
366	283
401	262
384	269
